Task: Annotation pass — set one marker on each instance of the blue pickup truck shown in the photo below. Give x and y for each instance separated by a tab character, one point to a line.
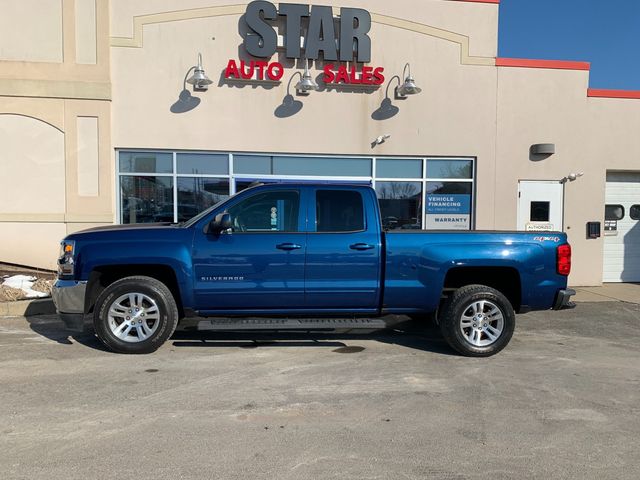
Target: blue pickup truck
305	257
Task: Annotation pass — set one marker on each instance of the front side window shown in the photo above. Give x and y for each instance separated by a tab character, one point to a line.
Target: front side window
339	211
275	211
634	212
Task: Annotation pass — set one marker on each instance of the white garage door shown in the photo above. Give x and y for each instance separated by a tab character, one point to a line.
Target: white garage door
622	228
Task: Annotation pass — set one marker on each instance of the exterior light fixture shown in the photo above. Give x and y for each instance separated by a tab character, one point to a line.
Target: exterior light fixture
409	86
572	177
543	149
306	84
381	139
199	79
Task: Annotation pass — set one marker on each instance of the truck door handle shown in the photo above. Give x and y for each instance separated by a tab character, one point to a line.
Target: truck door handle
362	246
288	246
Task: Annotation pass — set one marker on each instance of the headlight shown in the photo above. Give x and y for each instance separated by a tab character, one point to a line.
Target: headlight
65	260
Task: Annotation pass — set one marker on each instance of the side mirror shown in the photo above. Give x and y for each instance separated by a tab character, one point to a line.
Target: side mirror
219	224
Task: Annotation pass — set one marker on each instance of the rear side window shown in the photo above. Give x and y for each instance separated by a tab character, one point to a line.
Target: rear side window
339	211
613	212
634	212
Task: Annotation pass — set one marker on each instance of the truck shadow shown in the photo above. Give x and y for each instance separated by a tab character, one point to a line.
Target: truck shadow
404	332
410	334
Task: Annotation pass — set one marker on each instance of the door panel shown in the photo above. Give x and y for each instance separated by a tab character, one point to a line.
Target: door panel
260	264
249	271
343	255
540	206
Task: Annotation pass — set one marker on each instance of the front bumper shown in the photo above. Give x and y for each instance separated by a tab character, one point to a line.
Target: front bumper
68	297
563	299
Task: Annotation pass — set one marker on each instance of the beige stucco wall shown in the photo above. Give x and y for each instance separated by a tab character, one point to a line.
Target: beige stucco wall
42	96
591	135
40	36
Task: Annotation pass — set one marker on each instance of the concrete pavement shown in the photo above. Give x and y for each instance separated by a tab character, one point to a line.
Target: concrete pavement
623	292
562	401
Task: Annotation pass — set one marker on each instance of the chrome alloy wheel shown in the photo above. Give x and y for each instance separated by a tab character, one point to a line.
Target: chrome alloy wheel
482	323
133	317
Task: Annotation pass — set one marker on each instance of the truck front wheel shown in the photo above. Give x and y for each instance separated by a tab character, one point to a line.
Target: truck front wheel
135	315
477	321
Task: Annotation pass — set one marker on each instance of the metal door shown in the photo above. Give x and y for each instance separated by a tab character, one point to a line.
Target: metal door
622	228
540	205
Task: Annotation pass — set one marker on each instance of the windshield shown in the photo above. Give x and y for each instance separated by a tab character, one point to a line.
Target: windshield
201	215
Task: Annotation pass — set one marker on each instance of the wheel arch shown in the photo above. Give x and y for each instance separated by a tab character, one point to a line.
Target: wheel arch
504	279
103	276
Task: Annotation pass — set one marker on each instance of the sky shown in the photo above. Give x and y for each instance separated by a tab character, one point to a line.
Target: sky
603	32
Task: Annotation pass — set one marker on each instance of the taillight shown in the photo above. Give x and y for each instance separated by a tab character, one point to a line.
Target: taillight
563	263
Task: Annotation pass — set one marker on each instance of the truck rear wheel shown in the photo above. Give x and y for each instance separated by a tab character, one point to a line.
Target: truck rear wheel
477	321
135	315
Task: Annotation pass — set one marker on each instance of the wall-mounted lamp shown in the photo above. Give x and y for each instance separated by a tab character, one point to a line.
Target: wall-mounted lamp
306	84
199	79
572	177
409	86
543	149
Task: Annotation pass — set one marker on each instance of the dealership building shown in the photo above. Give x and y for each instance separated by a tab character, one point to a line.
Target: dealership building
114	111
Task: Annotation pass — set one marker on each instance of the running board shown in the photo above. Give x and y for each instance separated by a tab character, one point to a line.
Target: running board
280	324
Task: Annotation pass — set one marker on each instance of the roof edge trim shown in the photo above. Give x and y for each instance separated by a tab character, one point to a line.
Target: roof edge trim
532	63
605	93
496	2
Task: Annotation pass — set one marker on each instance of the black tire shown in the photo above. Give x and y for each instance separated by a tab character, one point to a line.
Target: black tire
453	325
151	289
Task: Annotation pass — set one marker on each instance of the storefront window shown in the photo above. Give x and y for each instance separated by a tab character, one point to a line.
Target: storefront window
146	162
400	204
252	164
398	168
146	199
196	194
324	167
446	168
202	164
448	205
413	192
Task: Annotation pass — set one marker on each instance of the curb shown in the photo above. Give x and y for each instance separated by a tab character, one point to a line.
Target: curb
27	308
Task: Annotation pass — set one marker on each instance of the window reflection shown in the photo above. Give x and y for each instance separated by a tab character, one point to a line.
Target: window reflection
448	168
196	194
202	164
146	199
267	212
400	204
146	162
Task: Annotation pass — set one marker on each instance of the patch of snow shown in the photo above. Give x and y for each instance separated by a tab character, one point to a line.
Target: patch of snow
24	283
